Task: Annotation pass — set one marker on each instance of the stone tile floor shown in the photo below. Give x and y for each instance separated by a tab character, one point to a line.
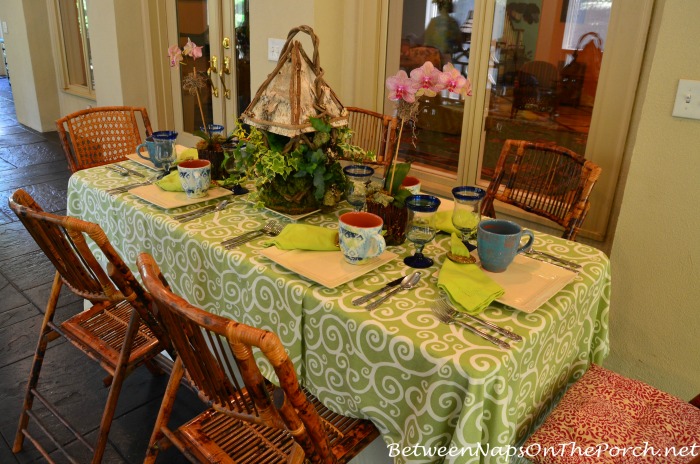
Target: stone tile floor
35	161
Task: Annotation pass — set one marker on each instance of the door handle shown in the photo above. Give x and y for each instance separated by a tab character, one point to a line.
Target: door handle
225	69
213	70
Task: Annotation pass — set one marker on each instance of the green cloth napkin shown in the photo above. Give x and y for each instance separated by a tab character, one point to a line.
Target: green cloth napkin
468	287
457	246
306	237
443	222
171	182
190	153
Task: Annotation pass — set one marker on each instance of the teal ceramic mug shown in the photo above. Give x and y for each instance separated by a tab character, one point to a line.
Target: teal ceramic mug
150	147
498	241
360	238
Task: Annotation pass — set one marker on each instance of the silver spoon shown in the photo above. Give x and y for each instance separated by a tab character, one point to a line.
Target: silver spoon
407	283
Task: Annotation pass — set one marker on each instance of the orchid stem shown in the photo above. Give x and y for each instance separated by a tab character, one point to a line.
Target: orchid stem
393	161
199	103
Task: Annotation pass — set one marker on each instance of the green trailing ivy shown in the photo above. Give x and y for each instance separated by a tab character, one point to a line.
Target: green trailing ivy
308	161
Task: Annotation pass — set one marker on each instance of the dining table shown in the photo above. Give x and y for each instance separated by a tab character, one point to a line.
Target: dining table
436	392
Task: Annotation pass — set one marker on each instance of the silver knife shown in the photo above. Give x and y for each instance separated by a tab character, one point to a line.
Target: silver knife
555	258
538	257
130	171
364	299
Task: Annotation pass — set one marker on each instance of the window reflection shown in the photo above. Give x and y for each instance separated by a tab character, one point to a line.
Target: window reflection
543	88
73	28
438	31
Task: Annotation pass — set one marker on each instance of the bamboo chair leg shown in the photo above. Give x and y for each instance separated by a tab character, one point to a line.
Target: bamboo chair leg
166	409
37	362
115	389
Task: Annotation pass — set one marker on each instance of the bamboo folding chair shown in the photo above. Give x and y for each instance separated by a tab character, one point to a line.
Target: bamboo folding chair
118	330
248	419
543	179
374	132
97	136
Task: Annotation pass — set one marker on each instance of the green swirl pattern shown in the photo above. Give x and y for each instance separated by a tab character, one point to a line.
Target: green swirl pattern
421	382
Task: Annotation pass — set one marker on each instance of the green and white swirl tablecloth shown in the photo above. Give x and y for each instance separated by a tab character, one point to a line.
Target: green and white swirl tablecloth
421	382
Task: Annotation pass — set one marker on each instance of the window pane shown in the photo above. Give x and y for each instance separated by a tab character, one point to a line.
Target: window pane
192	23
73	42
439	32
242	56
540	90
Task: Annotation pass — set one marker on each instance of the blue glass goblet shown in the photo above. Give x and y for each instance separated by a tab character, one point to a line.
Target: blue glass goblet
165	153
421	227
358	176
466	213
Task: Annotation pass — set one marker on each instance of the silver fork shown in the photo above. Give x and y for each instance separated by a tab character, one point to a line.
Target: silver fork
444	317
126	188
272	229
445	304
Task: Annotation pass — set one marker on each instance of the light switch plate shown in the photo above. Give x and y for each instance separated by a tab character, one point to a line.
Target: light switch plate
687	104
274	48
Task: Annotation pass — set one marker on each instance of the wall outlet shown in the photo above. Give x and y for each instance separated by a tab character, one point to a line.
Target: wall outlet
687	104
274	48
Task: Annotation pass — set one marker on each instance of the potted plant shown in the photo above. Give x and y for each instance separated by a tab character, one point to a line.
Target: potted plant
294	175
295	132
211	148
387	201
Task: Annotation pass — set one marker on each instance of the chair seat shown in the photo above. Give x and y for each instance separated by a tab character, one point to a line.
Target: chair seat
218	437
606	408
100	332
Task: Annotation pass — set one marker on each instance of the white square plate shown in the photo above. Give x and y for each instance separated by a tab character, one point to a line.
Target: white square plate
148	163
327	268
164	199
528	283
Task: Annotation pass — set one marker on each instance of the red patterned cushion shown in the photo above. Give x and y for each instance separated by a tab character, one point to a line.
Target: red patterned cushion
604	409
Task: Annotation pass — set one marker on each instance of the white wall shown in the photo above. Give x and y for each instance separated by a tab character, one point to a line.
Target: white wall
31	63
654	320
264	25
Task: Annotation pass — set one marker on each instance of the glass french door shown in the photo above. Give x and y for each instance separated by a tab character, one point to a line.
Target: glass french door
220	27
535	67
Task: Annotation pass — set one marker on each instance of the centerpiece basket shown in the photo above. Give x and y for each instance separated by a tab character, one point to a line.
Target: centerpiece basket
298	128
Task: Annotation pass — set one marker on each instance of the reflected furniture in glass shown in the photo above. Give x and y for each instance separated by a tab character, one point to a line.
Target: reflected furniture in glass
535	88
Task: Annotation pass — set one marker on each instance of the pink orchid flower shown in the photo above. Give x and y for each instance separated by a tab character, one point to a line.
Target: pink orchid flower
427	77
452	80
401	87
175	55
191	49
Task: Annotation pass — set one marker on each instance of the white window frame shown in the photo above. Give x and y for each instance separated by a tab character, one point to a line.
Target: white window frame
86	91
